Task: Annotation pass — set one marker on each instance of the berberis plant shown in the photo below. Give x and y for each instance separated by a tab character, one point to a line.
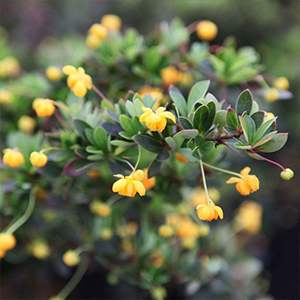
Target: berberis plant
124	176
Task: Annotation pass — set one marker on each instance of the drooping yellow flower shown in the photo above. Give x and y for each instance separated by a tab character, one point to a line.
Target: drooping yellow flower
92	41
9	67
100	208
272	95
78	80
71	258
209	212
249	217
111	22
206	30
129	185
165	231
6	97
148	183
247	184
40	250
38	159
43	107
7	241
287	174
155	92
157	119
170	75
98	31
27	124
54	73
281	83
181	158
13	157
187	229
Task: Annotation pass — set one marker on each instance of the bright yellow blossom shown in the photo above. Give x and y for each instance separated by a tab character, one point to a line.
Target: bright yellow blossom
92	41
101	209
157	119
272	95
247	184
6	97
111	22
148	183
188	243
209	212
170	75
27	124
38	159
9	67
206	30
157	258
54	73
165	231
13	157
281	83
7	241
78	80
187	229
98	31
71	258
43	107
129	185
249	217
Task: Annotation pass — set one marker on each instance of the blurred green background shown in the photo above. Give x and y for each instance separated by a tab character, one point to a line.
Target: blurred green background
272	27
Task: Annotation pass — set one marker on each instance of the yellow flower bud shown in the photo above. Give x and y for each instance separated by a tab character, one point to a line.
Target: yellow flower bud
7	241
188	243
6	97
138	175
26	124
106	234
185	79
54	73
287	174
206	30
13	158
38	159
101	209
281	83
92	41
43	107
71	258
99	31
111	22
203	230
165	231
272	95
40	250
170	75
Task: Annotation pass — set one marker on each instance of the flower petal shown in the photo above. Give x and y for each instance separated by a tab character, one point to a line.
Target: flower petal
233	180
119	185
139	187
245	171
162	124
243	188
169	115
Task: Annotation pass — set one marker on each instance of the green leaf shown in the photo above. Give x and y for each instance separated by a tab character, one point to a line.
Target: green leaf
220	119
101	138
207	147
125	135
258	118
244	103
130	108
95	157
197	92
189	133
93	150
89	135
178	99
201	118
248	127
148	142
185	123
187	153
241	146
81	126
119	143
127	125
262	130
171	142
199	140
231	119
275	144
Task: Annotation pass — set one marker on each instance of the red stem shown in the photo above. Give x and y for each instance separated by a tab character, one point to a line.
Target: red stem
99	92
268	160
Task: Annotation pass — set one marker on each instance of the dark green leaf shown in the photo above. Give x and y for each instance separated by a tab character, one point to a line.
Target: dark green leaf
258	118
100	138
148	142
81	126
244	103
185	123
231	119
127	125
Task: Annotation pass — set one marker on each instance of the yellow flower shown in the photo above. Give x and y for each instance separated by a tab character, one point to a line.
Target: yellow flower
181	158
173	219
101	209
26	124
129	185
54	73
157	258
287	174
206	30
185	79
7	241
6	97
98	31
78	80
156	120
281	83
209	212
106	234
71	258
247	184
165	231
13	157
170	75
111	22
40	250
203	230
9	67
187	229
38	159
249	217
148	183
272	95
188	243
92	41
155	92
43	107
268	116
